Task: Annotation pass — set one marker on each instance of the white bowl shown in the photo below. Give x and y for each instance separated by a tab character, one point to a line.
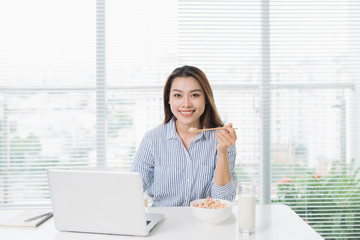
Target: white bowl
211	216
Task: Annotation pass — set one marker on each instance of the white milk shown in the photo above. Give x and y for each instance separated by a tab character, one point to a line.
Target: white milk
246	213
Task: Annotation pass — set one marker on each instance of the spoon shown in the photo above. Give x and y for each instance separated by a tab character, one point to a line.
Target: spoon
195	130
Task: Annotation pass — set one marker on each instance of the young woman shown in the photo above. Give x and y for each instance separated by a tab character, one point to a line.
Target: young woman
178	166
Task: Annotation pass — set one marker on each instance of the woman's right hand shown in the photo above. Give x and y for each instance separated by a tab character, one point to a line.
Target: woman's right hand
226	138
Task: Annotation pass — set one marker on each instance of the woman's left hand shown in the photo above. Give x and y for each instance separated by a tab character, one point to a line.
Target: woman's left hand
226	138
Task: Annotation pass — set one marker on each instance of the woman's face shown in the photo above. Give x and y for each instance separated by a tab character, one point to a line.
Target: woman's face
187	101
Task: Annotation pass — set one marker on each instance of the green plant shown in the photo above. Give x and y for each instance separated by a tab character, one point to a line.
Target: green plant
330	204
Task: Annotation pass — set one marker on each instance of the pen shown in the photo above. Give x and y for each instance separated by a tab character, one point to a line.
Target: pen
39	216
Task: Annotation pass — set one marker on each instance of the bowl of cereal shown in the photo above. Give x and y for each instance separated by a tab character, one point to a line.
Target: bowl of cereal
212	211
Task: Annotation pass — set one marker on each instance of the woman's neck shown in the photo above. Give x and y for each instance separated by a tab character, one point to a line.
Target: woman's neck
184	134
183	129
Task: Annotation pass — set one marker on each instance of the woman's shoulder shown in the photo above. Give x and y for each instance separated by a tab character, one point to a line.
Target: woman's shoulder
159	131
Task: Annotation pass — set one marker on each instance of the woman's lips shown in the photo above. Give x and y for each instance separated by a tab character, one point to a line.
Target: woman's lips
187	113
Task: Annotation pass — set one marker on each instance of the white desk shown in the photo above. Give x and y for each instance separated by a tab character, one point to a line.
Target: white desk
272	222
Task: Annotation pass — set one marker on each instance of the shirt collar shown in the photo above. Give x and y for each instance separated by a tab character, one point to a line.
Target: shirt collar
171	132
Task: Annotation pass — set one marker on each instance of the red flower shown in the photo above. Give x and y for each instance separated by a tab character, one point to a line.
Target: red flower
285	180
316	176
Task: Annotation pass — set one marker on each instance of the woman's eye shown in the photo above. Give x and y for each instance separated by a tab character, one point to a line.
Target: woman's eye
196	95
177	95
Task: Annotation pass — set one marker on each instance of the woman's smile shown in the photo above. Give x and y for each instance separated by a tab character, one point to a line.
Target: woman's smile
186	113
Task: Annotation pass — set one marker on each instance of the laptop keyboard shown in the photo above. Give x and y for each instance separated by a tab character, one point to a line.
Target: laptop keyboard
147	222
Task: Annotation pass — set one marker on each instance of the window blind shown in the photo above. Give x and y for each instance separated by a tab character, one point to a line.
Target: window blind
141	51
47	95
312	107
285	73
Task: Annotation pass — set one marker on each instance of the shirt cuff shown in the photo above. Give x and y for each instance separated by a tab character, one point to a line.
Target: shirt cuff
226	192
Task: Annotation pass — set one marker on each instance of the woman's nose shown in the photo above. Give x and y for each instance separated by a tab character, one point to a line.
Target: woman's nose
186	102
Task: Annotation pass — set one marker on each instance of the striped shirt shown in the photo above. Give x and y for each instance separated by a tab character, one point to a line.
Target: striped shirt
174	176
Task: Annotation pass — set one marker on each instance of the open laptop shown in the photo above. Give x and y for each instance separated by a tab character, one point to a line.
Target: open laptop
100	202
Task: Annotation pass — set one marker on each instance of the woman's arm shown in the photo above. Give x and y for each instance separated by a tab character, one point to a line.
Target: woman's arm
144	162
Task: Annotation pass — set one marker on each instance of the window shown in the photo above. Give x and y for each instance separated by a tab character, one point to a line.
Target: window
47	94
82	91
312	68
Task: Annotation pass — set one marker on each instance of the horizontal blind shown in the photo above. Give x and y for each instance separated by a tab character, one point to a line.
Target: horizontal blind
312	160
47	95
141	50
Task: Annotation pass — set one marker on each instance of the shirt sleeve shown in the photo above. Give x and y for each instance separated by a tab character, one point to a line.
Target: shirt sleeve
144	162
228	191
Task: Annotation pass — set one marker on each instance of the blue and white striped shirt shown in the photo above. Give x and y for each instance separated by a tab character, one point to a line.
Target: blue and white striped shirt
173	176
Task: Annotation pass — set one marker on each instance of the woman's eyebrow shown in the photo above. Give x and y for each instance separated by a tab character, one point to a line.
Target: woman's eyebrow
176	90
194	90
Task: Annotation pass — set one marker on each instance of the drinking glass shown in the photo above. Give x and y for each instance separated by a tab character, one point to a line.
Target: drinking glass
247	200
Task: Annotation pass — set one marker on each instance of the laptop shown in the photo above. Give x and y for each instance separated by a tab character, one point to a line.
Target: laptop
104	202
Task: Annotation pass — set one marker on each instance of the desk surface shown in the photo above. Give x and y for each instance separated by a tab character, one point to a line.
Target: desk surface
272	222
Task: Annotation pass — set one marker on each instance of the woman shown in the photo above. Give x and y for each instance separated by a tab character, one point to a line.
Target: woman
178	166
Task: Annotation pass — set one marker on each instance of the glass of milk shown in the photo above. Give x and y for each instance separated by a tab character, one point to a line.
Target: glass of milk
246	216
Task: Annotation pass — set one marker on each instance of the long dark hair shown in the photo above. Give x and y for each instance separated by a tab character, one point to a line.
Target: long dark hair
210	117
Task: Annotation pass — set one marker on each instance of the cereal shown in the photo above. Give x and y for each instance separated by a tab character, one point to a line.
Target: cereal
210	203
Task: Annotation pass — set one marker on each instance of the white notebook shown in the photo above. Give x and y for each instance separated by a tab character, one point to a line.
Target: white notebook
19	219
